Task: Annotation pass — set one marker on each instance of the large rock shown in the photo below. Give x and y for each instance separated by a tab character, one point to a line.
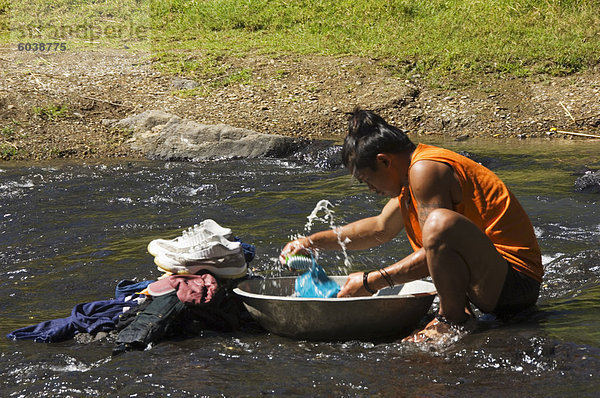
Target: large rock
161	135
589	182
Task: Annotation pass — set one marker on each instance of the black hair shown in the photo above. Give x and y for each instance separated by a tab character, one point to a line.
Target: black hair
369	135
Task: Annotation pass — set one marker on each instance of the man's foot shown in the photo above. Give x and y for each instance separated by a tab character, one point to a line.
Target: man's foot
440	331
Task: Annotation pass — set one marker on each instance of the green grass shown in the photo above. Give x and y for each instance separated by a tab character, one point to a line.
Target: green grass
515	37
51	112
7	151
7	132
7	148
79	23
433	38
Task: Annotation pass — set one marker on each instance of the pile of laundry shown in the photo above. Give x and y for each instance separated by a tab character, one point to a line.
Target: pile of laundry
195	293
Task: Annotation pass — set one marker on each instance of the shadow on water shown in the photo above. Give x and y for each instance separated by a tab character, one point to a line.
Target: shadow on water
70	230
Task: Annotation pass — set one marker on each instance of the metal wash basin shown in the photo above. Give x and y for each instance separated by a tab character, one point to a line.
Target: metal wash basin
391	312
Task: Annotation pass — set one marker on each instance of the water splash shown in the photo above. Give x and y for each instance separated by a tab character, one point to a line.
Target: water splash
328	218
314	215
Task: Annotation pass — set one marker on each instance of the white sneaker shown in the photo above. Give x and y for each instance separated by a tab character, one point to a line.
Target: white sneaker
229	266
193	236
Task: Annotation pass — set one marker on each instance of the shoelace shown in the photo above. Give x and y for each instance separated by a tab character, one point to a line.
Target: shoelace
191	236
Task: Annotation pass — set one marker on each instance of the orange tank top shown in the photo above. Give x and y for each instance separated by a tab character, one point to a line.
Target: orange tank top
488	203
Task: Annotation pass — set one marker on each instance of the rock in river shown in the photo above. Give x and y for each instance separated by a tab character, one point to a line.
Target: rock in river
589	182
162	135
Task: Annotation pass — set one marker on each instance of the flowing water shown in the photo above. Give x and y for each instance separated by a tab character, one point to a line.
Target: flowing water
71	230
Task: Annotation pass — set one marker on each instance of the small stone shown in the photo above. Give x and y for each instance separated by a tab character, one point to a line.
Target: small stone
109	122
183	84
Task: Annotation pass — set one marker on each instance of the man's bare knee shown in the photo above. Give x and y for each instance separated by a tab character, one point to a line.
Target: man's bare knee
437	228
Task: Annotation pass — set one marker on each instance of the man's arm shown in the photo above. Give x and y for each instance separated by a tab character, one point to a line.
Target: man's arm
410	268
361	234
434	186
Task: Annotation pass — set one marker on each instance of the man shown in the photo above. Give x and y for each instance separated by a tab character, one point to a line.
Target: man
468	231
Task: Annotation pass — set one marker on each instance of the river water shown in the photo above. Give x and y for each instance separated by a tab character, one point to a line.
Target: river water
71	230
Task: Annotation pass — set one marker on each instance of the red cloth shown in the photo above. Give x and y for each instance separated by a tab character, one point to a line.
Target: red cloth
191	289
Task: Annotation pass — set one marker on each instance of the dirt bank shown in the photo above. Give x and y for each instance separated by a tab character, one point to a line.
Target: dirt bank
58	104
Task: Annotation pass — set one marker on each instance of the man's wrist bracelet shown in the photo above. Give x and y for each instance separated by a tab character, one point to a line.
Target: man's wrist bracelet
366	283
386	276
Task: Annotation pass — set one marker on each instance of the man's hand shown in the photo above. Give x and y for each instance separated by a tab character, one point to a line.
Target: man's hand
354	286
298	246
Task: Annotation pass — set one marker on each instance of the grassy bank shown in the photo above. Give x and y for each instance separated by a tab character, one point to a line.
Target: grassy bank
77	23
433	38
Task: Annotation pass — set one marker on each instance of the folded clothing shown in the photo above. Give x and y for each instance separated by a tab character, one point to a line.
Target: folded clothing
191	289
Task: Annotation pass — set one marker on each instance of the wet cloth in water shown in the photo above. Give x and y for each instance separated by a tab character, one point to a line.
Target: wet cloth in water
316	284
94	317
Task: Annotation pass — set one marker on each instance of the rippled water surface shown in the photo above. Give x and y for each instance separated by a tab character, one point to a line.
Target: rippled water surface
71	230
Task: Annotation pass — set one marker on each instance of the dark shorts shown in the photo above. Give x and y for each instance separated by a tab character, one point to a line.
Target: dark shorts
519	292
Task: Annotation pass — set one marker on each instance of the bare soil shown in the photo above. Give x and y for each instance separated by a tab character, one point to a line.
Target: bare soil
61	104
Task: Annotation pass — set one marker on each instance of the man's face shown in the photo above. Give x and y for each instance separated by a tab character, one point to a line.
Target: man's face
384	180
